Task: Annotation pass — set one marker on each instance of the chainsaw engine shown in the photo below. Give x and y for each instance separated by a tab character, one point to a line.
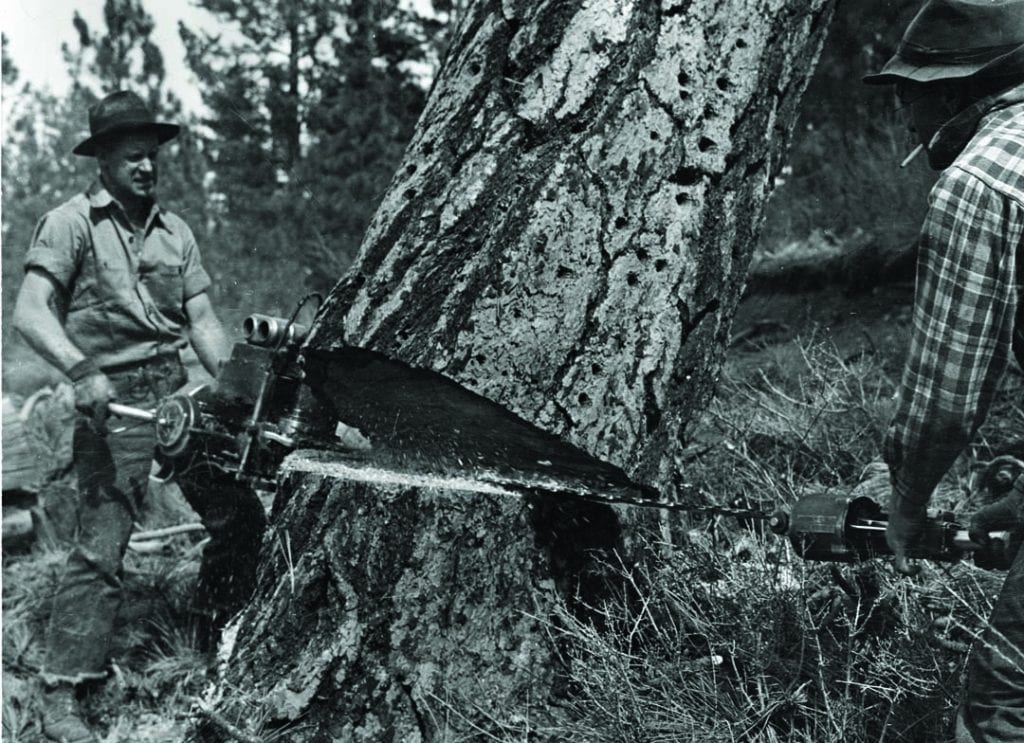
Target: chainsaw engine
259	411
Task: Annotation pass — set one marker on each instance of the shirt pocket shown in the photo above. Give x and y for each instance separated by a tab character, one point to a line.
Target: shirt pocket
166	287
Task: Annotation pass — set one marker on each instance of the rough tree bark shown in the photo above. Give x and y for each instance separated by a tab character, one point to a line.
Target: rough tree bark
568	236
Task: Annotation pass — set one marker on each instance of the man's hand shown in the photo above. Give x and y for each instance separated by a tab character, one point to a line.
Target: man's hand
1006	514
93	394
906	525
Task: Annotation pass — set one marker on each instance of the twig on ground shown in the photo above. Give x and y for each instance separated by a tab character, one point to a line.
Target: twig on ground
170	531
756	328
954	646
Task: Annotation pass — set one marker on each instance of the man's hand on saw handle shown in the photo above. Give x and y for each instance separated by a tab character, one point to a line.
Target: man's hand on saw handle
1002	516
1004	476
1005	515
904	531
93	393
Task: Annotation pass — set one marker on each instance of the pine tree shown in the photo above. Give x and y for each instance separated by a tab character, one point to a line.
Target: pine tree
361	127
9	69
121	56
312	103
567	235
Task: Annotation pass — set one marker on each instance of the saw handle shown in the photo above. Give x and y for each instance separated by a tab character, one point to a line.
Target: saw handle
129	411
145	414
829	528
962	540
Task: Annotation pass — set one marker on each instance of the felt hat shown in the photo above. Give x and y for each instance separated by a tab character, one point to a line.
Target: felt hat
121	112
951	39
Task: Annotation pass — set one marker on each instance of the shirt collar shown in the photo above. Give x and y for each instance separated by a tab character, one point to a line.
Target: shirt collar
951	138
100	198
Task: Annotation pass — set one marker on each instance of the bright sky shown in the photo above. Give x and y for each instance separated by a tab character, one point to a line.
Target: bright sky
35	30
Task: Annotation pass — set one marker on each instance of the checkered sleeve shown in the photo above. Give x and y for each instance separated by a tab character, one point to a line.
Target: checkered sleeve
965	305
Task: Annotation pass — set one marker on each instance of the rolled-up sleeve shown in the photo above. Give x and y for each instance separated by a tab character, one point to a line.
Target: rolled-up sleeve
195	278
966	303
57	245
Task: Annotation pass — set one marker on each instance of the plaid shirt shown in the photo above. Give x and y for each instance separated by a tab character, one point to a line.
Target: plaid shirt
968	308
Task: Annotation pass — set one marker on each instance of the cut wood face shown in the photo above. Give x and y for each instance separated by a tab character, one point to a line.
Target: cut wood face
390	599
419	423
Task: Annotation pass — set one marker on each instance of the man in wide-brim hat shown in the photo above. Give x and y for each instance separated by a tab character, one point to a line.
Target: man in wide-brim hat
119	113
114	291
959	70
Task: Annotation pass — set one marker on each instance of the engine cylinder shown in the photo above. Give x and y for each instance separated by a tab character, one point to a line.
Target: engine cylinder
270	332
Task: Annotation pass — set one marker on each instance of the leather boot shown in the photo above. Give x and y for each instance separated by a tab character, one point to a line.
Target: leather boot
62	720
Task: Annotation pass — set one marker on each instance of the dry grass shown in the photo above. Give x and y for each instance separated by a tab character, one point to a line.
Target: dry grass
158	668
728	636
760	646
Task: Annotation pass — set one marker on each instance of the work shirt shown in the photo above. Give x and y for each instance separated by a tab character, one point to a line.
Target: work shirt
968	308
127	287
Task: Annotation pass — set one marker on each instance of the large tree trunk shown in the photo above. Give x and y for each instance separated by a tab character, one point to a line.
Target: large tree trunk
569	230
568	236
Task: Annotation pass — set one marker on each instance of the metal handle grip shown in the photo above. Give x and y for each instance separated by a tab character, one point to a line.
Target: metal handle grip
963	541
128	411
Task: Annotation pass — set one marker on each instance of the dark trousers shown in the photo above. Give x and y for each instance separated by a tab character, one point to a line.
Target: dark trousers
993	706
112	474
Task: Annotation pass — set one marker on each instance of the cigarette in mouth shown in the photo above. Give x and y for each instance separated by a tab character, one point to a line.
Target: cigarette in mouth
913	153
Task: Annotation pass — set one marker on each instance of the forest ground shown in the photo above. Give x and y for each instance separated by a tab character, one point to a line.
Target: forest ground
874	322
803	402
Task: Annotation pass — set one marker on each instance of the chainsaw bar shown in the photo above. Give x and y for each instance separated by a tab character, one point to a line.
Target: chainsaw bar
560	487
418	420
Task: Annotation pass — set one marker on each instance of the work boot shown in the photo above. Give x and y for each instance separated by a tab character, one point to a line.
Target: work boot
62	720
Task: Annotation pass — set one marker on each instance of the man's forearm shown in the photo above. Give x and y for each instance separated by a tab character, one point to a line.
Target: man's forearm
207	335
211	346
37	322
52	345
920	464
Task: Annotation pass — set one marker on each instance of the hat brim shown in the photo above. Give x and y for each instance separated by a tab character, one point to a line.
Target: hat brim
163	132
897	69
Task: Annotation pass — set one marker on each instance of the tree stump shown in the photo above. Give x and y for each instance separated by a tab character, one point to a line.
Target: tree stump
401	607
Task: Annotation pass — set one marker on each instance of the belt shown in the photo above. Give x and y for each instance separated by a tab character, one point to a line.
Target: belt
170	357
148	380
